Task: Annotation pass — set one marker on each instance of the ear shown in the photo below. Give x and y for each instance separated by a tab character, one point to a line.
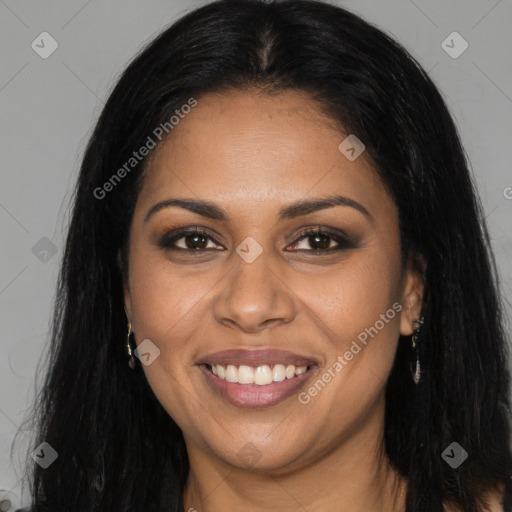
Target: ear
126	288
412	293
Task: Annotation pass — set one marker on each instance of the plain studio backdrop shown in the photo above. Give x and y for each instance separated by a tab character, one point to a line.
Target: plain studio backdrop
59	61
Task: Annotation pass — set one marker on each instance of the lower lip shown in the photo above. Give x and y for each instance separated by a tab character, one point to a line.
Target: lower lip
253	395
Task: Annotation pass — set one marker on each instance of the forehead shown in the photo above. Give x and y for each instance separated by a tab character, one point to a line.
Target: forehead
243	148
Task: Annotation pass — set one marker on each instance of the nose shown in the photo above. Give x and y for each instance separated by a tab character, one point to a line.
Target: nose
254	297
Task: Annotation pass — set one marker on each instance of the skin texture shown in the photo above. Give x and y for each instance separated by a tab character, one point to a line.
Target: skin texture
252	154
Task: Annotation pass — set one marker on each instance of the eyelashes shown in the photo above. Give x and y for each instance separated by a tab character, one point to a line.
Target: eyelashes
318	234
198	241
169	240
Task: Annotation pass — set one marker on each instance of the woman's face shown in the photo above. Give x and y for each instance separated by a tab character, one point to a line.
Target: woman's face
253	292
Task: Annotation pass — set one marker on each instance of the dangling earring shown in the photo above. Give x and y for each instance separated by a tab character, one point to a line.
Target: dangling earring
415	362
131	362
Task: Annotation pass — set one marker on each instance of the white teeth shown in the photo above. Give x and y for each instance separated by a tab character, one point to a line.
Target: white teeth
278	373
290	371
231	373
300	370
261	375
245	375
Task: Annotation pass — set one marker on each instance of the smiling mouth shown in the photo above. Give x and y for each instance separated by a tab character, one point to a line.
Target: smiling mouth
261	375
254	386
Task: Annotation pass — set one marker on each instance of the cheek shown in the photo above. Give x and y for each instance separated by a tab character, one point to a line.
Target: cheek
165	300
165	310
354	297
360	311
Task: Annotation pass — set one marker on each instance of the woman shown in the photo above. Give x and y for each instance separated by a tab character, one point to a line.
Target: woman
276	202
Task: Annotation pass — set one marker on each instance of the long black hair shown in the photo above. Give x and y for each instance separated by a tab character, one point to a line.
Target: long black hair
118	449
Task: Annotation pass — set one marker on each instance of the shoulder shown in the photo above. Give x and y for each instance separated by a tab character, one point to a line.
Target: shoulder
493	500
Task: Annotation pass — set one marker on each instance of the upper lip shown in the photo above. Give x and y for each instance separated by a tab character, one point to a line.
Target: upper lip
256	357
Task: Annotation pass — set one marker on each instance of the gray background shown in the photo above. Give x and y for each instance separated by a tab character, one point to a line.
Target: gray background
48	108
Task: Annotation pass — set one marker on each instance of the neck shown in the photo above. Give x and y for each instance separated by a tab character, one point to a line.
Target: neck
353	475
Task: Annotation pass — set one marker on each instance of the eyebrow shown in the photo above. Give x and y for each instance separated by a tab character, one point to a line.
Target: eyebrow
296	209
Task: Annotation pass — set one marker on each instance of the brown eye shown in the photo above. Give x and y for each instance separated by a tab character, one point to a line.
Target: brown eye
320	241
193	240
